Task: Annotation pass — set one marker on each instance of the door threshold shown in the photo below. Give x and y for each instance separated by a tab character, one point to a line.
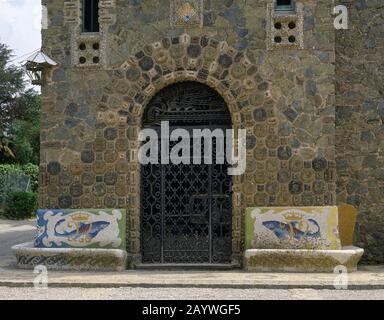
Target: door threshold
185	266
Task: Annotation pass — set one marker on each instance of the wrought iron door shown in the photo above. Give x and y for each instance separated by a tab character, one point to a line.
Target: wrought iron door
186	209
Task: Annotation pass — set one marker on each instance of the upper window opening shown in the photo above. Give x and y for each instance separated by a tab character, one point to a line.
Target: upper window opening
91	16
285	5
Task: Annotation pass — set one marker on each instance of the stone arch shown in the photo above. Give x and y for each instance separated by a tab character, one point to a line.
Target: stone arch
206	60
186	58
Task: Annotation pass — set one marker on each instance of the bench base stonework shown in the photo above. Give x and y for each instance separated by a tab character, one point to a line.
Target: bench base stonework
70	259
293	260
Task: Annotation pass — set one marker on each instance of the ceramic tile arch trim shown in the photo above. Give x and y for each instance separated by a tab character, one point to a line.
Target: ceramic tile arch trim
209	61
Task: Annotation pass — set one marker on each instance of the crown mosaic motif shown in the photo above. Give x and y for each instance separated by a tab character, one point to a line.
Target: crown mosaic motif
293	216
80	216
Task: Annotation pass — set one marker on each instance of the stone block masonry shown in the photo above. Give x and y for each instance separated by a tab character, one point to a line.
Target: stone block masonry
283	95
359	122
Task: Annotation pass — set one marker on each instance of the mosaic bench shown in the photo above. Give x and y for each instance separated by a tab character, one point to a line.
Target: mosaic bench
86	239
300	239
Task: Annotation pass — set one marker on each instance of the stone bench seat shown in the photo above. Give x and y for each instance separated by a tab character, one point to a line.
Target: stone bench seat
300	239
76	239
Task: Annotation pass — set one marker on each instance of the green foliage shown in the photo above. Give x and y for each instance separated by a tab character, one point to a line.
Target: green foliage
19	114
21	205
25	141
12	84
23	132
11	77
29	169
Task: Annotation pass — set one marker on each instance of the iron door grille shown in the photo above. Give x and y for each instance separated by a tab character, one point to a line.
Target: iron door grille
186	209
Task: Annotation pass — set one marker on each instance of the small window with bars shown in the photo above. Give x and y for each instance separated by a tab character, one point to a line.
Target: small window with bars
285	5
91	16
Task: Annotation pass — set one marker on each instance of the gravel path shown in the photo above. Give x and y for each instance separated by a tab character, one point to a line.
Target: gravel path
187	294
11	233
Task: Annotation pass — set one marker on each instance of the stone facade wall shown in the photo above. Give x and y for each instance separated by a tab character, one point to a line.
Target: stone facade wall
359	122
281	92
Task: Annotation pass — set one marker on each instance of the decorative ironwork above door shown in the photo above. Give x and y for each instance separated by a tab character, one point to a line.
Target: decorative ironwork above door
187	103
186	210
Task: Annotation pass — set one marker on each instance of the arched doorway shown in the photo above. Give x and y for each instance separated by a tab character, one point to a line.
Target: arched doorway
186	209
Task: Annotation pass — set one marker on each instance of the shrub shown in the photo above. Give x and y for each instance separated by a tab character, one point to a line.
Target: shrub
21	205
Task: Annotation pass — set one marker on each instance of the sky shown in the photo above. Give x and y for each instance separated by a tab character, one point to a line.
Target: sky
20	24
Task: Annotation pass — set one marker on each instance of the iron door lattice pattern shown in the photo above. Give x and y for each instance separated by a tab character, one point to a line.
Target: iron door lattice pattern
186	209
